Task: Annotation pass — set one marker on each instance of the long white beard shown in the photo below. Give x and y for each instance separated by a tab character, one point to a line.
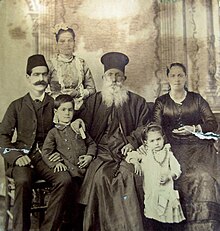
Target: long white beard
116	94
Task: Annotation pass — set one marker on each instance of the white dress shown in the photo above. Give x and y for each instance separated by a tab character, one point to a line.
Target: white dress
161	201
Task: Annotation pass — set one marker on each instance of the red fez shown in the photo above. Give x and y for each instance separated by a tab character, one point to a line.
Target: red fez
114	60
35	61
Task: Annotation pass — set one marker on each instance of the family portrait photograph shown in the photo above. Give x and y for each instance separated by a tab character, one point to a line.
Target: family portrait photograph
110	115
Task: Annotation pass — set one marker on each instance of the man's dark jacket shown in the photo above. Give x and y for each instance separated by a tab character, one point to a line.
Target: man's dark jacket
21	117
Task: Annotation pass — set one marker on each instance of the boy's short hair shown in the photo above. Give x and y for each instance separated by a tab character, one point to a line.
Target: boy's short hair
64	98
151	127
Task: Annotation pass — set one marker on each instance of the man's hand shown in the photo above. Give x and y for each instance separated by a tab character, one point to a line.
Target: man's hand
55	157
127	148
76	124
23	161
84	161
60	167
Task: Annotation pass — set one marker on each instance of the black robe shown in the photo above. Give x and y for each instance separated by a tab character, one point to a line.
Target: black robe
111	190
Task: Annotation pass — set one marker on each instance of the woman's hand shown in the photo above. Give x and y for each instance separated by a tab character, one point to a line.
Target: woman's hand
184	130
60	167
84	161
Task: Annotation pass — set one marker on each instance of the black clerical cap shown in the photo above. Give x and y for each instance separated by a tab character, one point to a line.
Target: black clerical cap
114	60
35	61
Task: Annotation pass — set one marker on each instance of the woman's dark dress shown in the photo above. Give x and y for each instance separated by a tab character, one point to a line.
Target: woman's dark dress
198	185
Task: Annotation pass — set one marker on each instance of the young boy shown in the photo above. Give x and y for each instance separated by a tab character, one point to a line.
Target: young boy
76	153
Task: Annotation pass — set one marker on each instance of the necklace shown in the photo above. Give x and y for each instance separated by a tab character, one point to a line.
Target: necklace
163	160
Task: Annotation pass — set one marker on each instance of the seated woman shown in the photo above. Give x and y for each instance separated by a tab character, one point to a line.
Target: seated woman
182	113
69	73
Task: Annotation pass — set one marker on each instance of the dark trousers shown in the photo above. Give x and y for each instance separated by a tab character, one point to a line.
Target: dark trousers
24	178
73	216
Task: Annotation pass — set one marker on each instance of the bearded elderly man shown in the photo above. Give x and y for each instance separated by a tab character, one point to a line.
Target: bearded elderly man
113	118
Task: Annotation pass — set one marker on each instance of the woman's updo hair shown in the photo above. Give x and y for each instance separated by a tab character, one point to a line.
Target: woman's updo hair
176	65
70	30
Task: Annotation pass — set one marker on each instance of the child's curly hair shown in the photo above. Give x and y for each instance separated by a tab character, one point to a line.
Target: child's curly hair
151	127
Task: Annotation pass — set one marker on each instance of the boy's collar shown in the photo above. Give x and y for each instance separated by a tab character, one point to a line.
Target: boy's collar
61	126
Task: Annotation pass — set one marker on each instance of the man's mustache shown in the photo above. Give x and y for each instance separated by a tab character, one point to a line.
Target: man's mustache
42	82
116	84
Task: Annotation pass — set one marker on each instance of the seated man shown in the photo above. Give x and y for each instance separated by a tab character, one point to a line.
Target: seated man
113	118
32	117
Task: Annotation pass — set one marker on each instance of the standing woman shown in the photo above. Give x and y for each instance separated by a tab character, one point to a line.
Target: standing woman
69	73
181	112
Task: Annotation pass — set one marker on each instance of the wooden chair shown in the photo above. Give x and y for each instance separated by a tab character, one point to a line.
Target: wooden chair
41	191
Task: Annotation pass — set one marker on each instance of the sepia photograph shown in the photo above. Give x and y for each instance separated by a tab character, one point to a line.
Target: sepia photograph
110	115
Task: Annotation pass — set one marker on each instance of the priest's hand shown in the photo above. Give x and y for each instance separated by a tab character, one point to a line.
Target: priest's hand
127	148
142	150
84	161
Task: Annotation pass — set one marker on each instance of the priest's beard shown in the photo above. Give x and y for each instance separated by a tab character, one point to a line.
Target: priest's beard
114	93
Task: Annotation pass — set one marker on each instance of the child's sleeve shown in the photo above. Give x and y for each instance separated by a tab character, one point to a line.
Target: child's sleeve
91	146
49	147
133	155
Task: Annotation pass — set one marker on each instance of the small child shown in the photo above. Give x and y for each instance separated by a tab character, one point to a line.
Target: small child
75	152
160	168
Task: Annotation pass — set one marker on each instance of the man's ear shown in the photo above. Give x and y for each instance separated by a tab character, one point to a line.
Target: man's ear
125	77
28	77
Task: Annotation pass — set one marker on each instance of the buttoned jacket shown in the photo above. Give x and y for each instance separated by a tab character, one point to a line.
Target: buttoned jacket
21	117
64	140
